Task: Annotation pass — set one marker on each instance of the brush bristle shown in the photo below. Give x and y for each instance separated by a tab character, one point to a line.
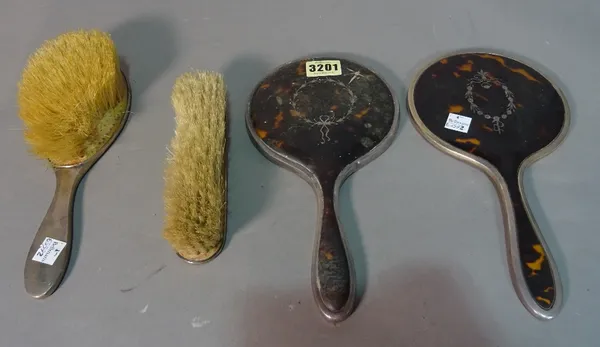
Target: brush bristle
195	179
72	96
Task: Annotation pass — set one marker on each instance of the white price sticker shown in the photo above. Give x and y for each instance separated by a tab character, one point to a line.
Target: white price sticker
317	68
49	250
457	122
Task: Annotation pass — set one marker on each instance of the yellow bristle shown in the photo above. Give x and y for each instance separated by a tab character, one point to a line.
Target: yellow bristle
195	194
72	96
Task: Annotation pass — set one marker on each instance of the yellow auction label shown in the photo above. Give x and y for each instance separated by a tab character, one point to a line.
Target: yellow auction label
318	68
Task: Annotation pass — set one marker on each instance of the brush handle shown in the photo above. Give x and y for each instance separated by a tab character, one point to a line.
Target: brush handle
333	276
50	251
532	267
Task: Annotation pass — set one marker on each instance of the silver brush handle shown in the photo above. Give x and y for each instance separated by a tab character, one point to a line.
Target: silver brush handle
50	251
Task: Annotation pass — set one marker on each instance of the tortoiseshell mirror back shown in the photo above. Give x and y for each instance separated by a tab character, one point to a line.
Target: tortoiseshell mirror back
500	115
324	128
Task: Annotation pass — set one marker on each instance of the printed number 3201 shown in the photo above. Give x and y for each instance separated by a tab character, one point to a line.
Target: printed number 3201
323	68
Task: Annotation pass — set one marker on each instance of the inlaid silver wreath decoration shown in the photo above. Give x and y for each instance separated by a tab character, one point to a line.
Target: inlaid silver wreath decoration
332	118
485	80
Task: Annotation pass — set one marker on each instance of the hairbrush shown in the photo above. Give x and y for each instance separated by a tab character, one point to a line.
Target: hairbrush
195	194
74	101
500	115
324	118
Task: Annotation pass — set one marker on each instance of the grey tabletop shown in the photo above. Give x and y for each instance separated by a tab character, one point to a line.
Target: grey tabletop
428	247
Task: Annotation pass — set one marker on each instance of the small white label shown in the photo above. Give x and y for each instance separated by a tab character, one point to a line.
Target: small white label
457	122
49	250
317	68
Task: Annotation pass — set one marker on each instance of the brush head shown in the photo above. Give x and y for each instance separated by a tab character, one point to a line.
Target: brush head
196	175
72	97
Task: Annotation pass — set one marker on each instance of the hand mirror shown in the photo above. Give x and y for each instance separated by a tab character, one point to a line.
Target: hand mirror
499	115
323	118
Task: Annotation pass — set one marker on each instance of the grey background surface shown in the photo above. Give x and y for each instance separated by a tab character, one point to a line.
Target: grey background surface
425	230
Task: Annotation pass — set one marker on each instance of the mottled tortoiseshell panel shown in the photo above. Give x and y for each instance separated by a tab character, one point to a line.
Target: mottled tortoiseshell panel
324	122
534	121
514	113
